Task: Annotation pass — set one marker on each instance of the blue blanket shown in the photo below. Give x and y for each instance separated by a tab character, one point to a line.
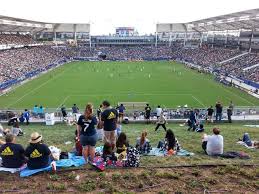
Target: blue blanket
64	163
159	152
155	152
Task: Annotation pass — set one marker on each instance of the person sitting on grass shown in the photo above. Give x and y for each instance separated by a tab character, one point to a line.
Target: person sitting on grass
143	144
88	135
213	144
247	140
122	143
200	128
170	142
38	154
12	154
16	130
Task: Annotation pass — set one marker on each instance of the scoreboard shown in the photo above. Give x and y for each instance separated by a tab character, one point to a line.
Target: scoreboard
125	31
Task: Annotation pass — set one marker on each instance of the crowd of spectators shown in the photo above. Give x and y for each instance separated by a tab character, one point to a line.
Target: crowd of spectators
15	63
16	39
204	56
237	67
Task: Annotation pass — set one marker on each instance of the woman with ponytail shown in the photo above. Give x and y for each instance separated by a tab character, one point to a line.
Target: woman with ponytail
87	132
142	143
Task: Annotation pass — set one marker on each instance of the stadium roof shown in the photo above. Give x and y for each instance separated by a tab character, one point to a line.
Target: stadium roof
10	24
248	20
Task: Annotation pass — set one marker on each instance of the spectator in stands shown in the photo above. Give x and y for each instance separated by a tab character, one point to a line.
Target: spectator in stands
13	119
170	142
12	154
88	135
210	112
109	118
122	143
121	110
38	154
213	144
219	109
161	122
142	143
147	113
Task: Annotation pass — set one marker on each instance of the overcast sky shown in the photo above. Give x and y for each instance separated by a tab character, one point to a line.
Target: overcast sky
105	15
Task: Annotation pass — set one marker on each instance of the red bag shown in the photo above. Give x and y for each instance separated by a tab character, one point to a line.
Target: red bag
79	147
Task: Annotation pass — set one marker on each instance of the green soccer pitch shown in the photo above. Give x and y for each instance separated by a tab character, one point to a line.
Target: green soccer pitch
168	84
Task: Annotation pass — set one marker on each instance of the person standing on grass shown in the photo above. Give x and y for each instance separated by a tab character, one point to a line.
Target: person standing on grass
109	119
121	110
161	122
158	111
192	120
63	111
26	116
87	132
210	114
229	113
147	113
219	109
99	112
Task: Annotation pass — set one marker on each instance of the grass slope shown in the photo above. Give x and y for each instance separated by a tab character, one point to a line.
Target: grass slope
167	83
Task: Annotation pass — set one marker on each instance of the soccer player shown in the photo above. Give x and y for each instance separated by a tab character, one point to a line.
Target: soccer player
109	118
147	113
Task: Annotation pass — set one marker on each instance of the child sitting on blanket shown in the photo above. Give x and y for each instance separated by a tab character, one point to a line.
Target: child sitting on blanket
170	143
108	153
143	144
122	143
12	154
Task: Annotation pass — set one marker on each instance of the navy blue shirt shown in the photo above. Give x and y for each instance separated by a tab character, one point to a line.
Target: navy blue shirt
109	117
87	125
12	155
39	156
121	109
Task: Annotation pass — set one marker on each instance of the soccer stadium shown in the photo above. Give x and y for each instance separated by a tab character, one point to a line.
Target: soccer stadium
175	111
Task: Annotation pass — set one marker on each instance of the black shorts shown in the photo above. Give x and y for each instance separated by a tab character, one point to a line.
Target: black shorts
147	116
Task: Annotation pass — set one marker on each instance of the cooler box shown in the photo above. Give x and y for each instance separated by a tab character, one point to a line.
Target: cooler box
49	119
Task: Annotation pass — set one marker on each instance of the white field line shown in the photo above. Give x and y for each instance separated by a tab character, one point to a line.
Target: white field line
63	102
144	94
35	89
238	96
198	101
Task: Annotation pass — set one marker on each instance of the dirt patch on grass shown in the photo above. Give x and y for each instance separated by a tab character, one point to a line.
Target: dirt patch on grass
229	179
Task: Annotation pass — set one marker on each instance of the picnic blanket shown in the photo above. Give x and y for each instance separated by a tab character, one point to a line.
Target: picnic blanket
64	163
12	170
154	152
244	144
159	152
257	126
